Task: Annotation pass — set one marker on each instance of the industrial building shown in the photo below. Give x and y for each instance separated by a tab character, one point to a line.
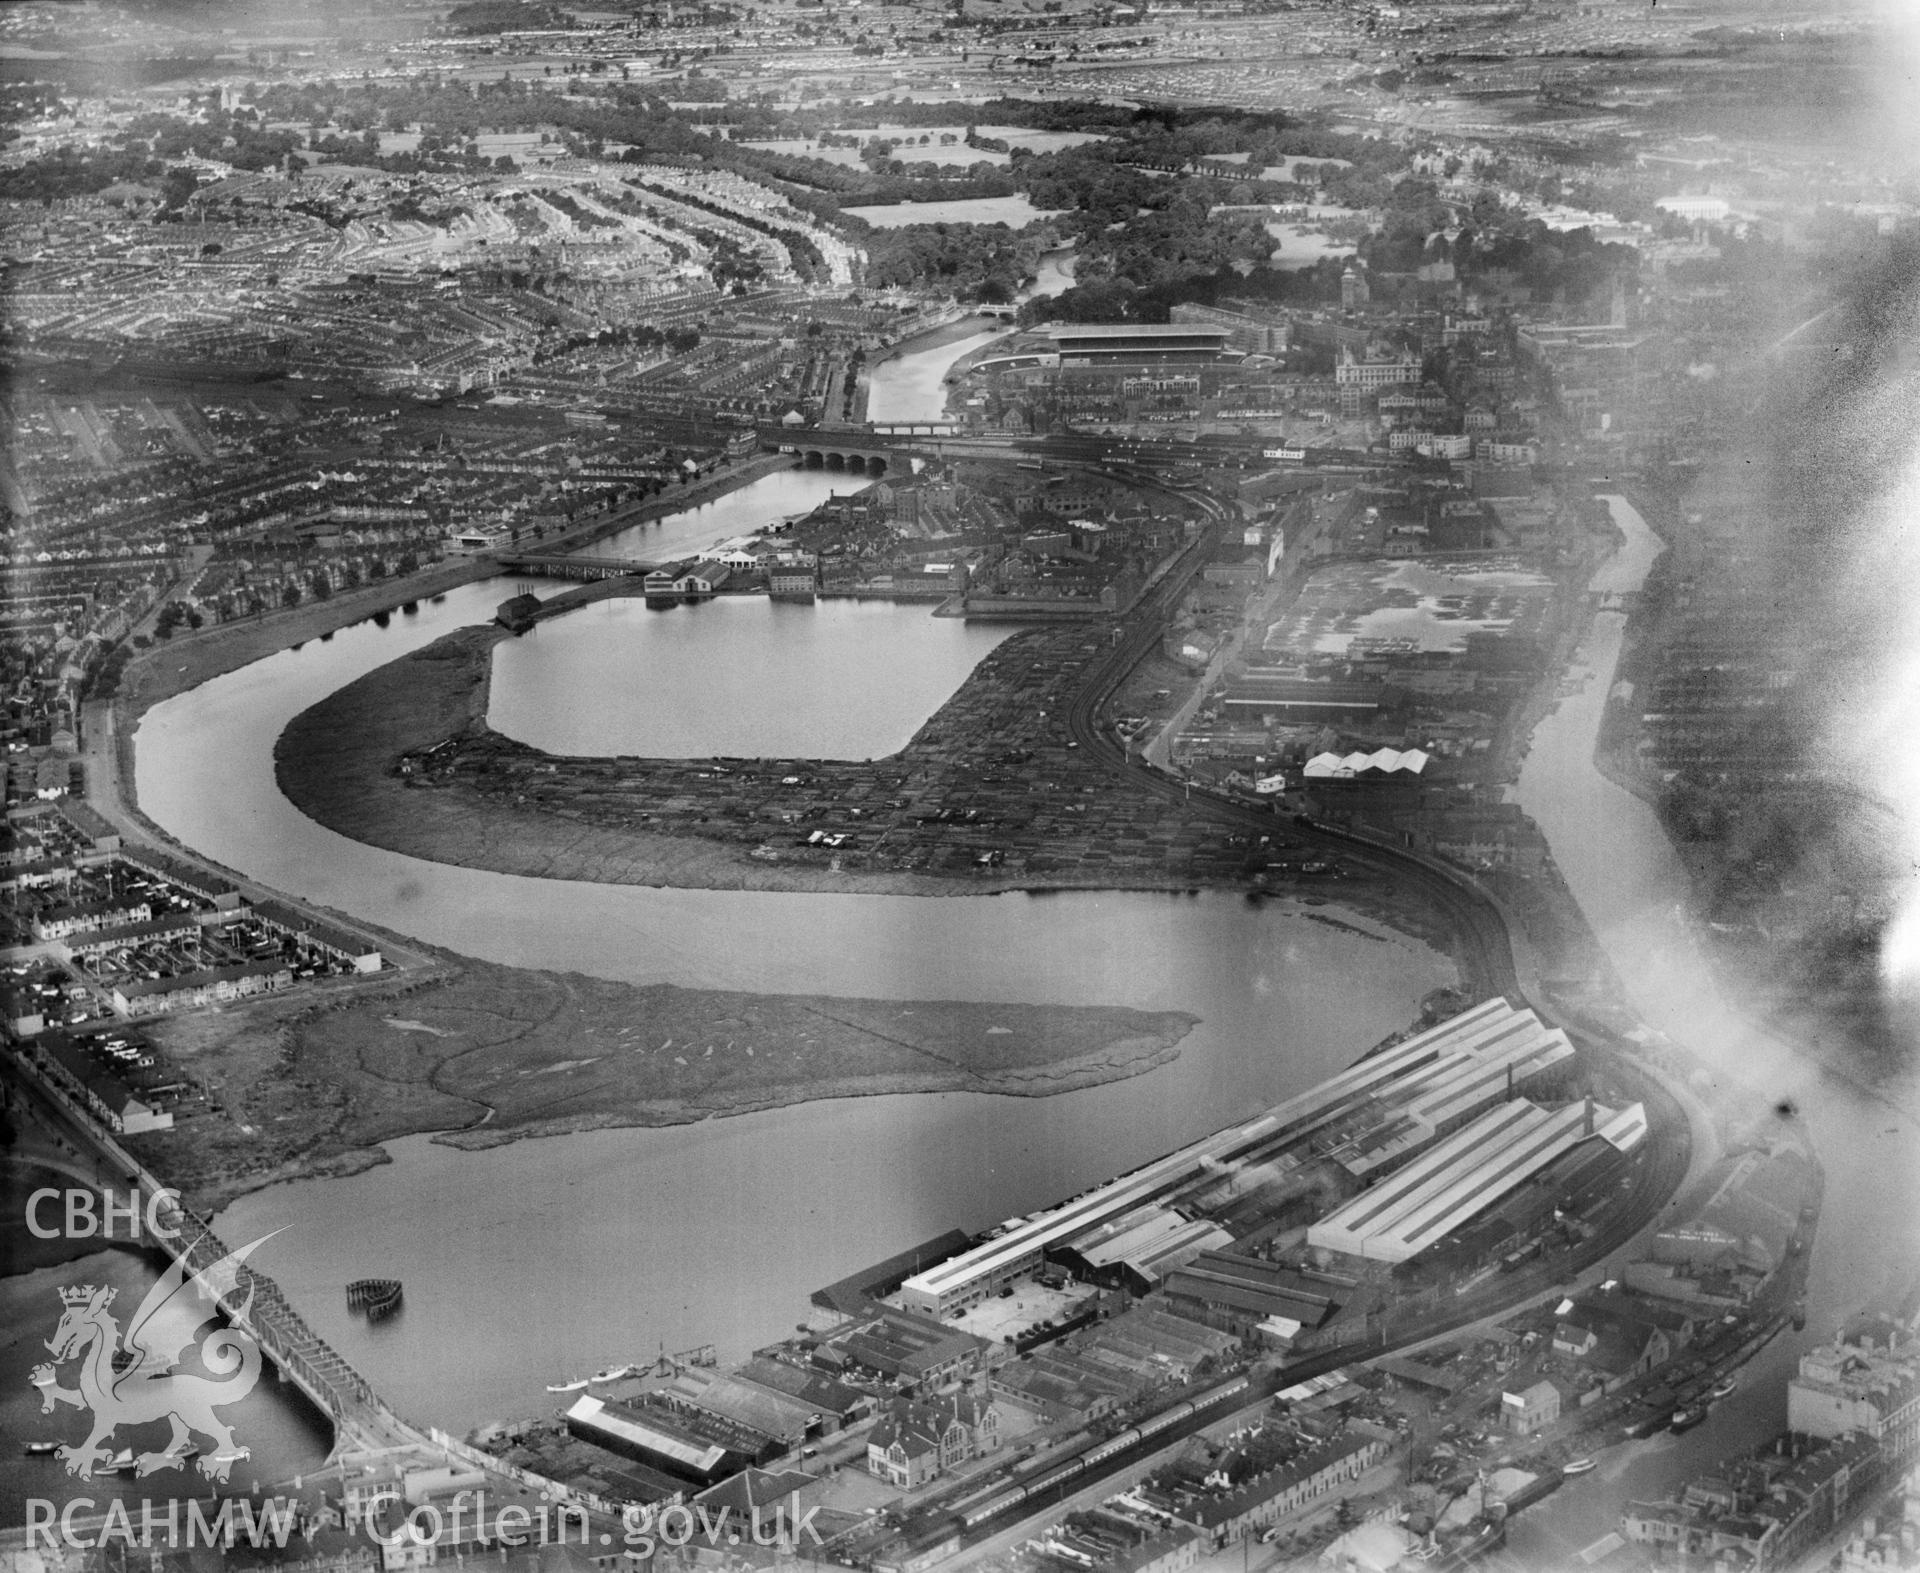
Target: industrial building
1367	1119
788	1420
1252	1298
698	1447
1466	1174
1296	701
1019	1248
1139	1248
906	1349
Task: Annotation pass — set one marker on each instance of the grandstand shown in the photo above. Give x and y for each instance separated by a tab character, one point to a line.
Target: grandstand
1115	344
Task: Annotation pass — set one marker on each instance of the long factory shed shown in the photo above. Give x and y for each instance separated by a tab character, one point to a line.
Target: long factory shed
1466	1174
1408	1095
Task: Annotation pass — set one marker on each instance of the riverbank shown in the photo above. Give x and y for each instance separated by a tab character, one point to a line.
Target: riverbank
311	1083
933	338
484	1054
404	759
730	477
188	660
1797	945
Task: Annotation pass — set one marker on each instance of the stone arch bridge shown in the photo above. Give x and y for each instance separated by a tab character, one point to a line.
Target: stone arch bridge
870	451
825	454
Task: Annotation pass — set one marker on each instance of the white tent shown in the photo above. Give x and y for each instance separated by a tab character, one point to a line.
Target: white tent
1337	767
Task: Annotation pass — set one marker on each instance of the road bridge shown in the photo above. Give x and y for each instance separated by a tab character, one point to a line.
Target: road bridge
299	1354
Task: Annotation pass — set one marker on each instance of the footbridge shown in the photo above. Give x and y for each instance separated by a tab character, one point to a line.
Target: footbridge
558	565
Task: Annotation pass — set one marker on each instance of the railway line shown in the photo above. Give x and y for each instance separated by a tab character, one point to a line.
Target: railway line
1485	950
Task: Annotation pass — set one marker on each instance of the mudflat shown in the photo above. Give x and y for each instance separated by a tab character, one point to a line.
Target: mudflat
485	1054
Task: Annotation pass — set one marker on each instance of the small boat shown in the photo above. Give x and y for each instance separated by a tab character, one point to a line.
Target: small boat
121	1463
569	1387
1687	1419
613	1373
1578	1466
41	1449
1725	1388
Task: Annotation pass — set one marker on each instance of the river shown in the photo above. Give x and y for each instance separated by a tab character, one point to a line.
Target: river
743	1217
1630	884
912	386
539	1260
285	1435
784	494
548	1258
740	1218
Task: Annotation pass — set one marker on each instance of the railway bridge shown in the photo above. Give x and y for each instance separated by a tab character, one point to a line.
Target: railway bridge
836	455
855	450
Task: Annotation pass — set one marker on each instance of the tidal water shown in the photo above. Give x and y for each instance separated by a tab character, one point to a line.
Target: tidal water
740	675
546	1259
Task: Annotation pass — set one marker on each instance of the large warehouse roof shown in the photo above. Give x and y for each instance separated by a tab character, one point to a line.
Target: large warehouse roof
591	1413
1466	1174
1151	1240
1466	1057
1085	1211
1482	1063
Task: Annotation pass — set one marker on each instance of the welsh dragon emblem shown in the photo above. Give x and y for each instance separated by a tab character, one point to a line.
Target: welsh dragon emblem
142	1385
